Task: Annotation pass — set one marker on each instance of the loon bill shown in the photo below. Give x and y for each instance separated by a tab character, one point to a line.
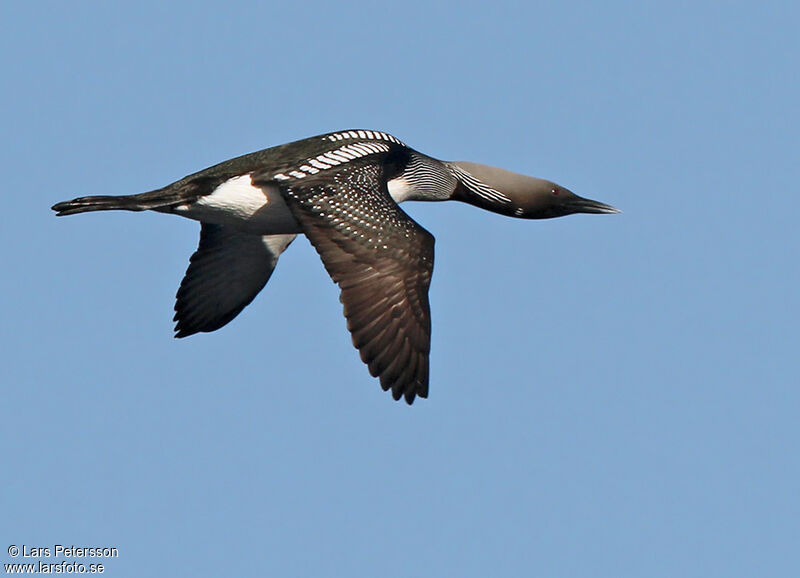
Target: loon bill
341	190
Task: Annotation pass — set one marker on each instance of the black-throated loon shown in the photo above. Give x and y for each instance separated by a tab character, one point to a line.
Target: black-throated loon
342	191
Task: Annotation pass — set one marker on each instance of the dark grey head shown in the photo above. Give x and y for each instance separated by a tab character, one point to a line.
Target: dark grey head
518	195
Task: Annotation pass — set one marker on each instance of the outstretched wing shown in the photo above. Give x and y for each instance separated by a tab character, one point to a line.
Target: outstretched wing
225	274
382	261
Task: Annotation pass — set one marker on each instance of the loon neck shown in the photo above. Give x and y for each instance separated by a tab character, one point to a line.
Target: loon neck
413	176
472	190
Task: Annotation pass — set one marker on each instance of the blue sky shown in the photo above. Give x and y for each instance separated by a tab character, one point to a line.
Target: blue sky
610	395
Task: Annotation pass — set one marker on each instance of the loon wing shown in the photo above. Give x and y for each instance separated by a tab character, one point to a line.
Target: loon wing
382	261
225	274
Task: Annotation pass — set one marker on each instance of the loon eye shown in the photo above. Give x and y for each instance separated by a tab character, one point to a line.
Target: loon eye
555	192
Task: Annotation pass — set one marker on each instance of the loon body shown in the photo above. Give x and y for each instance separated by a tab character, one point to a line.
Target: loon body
342	191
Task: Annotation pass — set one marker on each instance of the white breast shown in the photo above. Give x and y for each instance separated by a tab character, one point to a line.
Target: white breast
399	189
238	203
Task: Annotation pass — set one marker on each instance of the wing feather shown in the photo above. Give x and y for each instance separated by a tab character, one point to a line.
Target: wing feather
382	261
225	274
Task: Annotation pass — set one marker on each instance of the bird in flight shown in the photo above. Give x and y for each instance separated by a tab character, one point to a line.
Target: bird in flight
341	190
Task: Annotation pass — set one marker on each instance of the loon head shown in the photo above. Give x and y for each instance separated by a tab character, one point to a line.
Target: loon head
518	195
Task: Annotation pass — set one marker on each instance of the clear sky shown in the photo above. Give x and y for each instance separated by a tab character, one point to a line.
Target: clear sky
611	395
